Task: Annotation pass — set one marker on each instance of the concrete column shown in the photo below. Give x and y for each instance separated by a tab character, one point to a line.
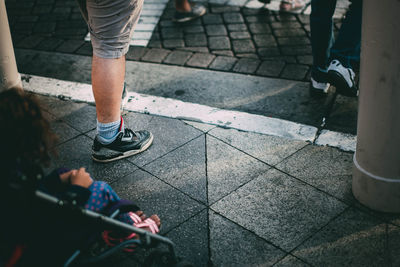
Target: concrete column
376	172
9	76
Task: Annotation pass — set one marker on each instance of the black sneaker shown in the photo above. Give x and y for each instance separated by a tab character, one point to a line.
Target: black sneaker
198	10
342	78
319	85
128	143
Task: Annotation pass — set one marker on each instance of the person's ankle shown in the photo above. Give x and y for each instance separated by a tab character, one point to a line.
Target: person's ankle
184	7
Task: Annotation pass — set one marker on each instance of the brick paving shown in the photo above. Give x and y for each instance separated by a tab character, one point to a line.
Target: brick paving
228	38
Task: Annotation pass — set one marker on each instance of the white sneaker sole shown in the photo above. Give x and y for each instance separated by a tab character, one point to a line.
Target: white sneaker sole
128	153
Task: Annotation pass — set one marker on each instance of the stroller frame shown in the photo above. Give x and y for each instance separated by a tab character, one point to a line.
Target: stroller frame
146	238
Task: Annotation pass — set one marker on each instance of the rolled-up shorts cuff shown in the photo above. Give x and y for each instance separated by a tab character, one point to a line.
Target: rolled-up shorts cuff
111	24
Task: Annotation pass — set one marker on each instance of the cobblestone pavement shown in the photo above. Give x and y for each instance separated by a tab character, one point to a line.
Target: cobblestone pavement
229	38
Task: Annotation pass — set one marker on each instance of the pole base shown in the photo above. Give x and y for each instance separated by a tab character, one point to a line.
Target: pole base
377	194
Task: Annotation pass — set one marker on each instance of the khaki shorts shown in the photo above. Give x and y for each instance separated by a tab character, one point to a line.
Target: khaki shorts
111	24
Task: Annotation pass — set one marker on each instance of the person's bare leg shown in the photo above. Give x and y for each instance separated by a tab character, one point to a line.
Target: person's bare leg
107	83
182	5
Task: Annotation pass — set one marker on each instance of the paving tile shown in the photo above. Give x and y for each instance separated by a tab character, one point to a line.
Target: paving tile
155	55
269	149
154	44
154	196
259	28
224	178
268	52
219	43
173	43
198	39
178	134
289	32
222	9
264	40
227	53
76	153
172	33
292	41
282	16
86	49
307	59
191	239
63	131
42	9
223	63
285	24
233	17
216	30
135	52
70	46
44	27
352	239
295	71
30	41
236	27
201	60
195	49
290	211
184	168
258	18
177	57
291	261
326	168
49	44
240	35
225	251
193	29
247	55
271	68
296	50
212	19
80	116
246	65
243	46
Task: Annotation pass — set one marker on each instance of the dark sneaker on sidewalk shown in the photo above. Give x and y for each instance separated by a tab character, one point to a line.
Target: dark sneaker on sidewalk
198	10
319	85
342	78
128	143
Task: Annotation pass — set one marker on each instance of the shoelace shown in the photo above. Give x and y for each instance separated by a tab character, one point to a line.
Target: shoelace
128	133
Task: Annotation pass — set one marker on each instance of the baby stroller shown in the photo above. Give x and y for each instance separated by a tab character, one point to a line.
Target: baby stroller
38	229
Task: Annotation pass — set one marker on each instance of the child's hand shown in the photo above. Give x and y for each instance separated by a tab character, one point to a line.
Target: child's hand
80	177
65	177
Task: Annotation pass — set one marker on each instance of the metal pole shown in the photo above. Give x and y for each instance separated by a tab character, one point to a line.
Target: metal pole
376	172
9	76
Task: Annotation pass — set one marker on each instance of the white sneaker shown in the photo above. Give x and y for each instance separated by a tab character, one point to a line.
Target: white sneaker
342	78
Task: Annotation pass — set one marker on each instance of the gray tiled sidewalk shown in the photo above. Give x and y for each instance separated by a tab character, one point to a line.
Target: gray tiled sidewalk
230	198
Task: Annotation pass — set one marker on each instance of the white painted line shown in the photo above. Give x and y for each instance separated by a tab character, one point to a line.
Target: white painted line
346	142
172	108
139	42
255	4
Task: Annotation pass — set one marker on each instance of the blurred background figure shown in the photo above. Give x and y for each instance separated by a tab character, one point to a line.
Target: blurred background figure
334	61
288	5
186	11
